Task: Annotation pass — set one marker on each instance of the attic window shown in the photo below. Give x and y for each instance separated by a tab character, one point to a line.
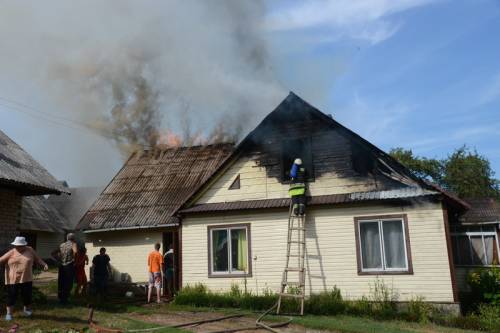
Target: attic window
235	185
296	148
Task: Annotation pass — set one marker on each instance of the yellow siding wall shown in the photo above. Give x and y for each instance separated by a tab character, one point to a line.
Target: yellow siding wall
46	242
128	251
256	185
331	252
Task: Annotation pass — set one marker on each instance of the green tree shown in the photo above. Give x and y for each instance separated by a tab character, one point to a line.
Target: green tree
464	172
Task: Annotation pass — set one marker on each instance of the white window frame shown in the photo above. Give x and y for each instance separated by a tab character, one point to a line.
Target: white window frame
481	233
230	271
384	268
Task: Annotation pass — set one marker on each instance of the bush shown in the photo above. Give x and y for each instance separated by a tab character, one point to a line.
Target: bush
419	310
383	300
326	303
488	317
485	283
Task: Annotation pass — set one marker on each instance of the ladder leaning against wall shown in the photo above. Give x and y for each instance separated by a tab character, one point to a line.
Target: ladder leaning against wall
293	283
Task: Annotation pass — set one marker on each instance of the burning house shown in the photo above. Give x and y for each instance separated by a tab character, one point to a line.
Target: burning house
226	212
21	178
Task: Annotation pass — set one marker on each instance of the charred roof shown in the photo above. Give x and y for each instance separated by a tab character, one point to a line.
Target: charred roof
18	170
152	185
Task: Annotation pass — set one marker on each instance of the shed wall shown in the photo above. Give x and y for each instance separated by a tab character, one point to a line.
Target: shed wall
128	251
331	251
46	242
10	216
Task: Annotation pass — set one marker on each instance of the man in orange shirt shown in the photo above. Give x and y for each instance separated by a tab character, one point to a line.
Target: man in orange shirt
155	263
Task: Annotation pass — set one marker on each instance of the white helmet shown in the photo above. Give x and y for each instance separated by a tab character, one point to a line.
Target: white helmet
298	161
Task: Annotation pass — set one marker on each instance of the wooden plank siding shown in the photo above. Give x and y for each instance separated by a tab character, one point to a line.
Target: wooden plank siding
331	251
128	251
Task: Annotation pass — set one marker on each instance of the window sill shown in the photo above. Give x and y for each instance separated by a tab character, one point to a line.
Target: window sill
236	275
385	272
476	266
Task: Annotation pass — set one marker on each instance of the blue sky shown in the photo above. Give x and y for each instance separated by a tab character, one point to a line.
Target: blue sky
425	76
417	74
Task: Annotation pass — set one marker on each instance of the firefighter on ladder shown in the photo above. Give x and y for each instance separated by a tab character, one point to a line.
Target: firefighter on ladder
297	189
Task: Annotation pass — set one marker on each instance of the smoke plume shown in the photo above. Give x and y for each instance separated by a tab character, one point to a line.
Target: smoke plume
144	72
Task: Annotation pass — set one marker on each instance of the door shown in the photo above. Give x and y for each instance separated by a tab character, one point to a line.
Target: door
171	238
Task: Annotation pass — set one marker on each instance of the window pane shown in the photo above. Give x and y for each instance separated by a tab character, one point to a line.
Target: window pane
370	245
478	257
489	242
463	250
239	248
219	248
394	245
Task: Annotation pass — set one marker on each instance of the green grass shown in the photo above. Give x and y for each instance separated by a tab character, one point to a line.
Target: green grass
350	324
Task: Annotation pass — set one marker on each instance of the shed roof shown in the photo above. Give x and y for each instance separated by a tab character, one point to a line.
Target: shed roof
482	210
37	214
20	171
152	185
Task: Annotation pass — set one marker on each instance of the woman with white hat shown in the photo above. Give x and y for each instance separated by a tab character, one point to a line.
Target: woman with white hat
19	274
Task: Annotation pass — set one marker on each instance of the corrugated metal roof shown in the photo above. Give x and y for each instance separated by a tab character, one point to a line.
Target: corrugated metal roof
37	214
18	169
482	210
151	187
403	193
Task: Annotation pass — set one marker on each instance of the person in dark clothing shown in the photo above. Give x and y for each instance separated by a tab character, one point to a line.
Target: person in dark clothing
101	272
169	270
297	189
65	255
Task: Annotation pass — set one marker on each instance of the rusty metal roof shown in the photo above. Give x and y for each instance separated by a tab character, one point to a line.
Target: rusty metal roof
152	186
403	193
37	214
482	210
19	170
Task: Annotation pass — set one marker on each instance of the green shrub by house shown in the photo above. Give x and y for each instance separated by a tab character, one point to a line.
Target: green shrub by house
485	283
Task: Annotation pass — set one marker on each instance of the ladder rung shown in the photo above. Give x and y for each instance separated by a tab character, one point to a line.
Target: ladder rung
293	284
291	295
294	269
294	256
294	241
301	229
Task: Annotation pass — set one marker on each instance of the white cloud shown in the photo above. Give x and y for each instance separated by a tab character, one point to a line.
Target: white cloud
359	19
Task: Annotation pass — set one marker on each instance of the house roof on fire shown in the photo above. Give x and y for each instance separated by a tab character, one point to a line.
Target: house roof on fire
364	156
151	187
37	214
20	171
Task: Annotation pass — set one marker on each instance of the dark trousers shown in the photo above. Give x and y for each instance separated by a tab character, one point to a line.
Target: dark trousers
65	281
101	284
299	204
26	290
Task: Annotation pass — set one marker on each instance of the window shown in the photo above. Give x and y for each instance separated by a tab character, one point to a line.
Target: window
383	245
229	251
475	245
297	148
236	184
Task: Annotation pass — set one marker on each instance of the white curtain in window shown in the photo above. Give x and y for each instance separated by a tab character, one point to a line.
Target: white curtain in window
478	257
370	245
489	243
394	245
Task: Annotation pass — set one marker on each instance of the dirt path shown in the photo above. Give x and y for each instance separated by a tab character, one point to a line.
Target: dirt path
179	317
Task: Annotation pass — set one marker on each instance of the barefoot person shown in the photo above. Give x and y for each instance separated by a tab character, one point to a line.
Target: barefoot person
19	274
81	259
155	264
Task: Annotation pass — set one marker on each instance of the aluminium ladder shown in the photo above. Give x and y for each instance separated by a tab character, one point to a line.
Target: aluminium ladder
295	286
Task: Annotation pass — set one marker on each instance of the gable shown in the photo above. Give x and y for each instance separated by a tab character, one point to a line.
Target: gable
342	162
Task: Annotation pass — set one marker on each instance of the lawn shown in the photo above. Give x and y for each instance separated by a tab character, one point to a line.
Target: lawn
51	317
